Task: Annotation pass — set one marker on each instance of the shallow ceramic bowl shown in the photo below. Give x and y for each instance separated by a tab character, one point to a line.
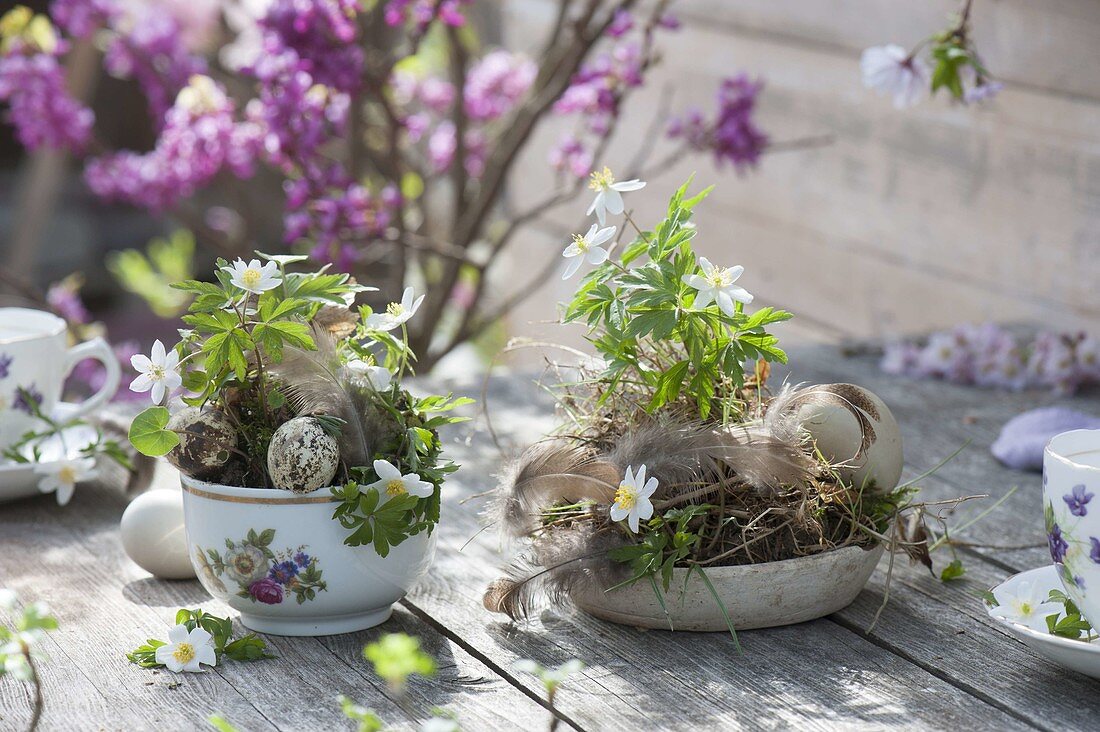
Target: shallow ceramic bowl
755	595
279	559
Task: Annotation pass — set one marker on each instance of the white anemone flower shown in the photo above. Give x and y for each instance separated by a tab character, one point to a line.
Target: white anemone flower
185	650
253	277
893	71
1028	605
61	476
392	483
379	377
396	313
158	372
8	598
632	498
588	246
609	199
716	284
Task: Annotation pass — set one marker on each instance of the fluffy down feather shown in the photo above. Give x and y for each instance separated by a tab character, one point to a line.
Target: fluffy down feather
315	382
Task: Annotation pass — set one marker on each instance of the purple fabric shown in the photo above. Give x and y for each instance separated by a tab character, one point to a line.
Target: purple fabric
1024	437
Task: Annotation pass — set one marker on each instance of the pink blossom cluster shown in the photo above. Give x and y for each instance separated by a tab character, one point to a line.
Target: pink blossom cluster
421	13
337	214
732	136
495	84
44	114
322	34
991	356
595	91
81	18
297	116
200	138
153	53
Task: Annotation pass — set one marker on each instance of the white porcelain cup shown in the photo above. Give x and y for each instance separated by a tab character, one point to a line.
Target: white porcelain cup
35	357
1071	511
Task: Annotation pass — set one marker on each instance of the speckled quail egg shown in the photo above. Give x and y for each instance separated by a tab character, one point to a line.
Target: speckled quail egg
207	439
832	418
302	457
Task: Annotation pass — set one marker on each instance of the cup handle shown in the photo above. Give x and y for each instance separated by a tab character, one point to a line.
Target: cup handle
101	351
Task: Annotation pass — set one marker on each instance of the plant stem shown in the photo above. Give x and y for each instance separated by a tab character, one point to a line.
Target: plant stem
39	703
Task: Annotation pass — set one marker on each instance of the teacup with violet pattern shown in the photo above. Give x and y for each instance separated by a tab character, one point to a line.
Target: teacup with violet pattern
1071	513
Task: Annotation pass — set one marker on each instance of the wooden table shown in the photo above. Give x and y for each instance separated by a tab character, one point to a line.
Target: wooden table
934	661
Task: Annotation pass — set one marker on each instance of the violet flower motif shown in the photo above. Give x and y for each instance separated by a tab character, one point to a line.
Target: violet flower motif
27	399
40	108
283	572
5	365
1076	499
1058	545
1094	555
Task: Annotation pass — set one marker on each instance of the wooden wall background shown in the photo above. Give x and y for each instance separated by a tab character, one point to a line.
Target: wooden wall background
910	220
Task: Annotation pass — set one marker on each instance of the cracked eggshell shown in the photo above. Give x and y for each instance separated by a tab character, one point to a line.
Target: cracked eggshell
302	457
153	534
207	439
838	436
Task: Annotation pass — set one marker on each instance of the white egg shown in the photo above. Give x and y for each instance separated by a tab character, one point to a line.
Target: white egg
302	457
830	416
153	534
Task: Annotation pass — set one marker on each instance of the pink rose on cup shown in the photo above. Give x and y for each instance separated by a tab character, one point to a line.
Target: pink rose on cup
267	591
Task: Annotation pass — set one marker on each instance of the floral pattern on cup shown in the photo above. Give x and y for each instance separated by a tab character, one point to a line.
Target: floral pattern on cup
260	573
1077	499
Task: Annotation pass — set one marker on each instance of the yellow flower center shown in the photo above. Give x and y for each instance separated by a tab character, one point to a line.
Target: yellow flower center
67	474
625	497
156	373
1026	608
184	652
395	487
395	308
251	277
601	180
720	277
580	242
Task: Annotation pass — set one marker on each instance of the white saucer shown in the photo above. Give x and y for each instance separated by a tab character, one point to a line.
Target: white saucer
1080	656
18	480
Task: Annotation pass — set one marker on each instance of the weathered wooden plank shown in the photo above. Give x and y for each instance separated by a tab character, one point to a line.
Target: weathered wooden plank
72	558
632	679
945	629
